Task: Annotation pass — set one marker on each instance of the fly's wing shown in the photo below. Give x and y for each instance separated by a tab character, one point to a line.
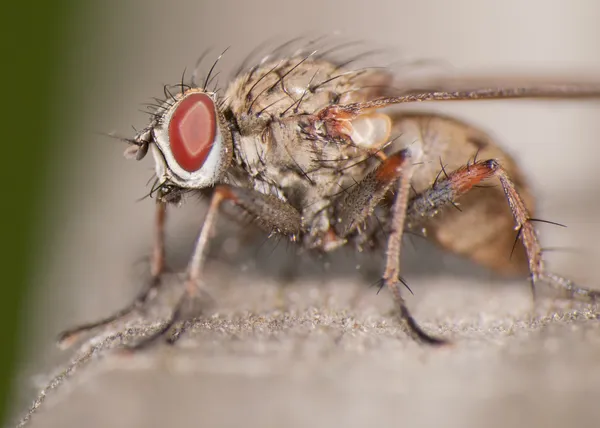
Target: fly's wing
364	85
484	229
455	89
455	82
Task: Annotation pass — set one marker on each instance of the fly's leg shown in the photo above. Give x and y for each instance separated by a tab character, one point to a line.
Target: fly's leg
360	200
446	191
391	275
395	172
274	214
157	266
568	286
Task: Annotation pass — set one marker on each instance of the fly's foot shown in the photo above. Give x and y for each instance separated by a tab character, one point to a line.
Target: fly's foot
569	287
68	337
416	331
191	305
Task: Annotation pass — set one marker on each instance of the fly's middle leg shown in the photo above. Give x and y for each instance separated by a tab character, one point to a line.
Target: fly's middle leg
394	173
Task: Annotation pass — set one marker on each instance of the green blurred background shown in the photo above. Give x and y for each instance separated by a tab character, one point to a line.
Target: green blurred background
34	38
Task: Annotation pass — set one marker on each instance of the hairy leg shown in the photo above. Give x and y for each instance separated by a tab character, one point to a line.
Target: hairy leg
391	276
157	266
273	214
448	190
395	173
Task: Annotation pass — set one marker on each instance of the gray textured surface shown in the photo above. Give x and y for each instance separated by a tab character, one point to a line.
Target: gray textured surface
330	354
321	350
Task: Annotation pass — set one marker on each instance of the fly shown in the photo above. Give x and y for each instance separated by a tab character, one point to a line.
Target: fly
301	143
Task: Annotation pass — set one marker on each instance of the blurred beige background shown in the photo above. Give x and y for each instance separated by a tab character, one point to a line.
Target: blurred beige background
337	359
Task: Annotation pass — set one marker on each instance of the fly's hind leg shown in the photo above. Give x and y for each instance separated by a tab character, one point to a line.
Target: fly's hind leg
157	266
446	192
273	214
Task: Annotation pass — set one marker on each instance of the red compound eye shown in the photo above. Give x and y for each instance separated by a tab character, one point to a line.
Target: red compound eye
192	131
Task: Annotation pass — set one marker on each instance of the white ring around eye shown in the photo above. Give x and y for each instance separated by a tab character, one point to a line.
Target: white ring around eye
167	168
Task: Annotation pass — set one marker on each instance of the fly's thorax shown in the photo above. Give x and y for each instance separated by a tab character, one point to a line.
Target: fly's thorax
273	102
302	85
310	175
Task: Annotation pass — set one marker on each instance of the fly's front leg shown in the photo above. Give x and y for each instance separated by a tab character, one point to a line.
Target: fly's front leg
273	214
157	266
395	173
448	190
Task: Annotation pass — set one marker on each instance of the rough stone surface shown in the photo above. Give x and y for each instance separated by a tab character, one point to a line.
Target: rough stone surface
332	354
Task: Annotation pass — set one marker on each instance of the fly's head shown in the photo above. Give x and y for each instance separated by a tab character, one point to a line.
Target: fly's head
189	139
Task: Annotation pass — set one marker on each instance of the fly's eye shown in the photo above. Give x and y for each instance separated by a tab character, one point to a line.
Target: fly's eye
193	146
192	131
